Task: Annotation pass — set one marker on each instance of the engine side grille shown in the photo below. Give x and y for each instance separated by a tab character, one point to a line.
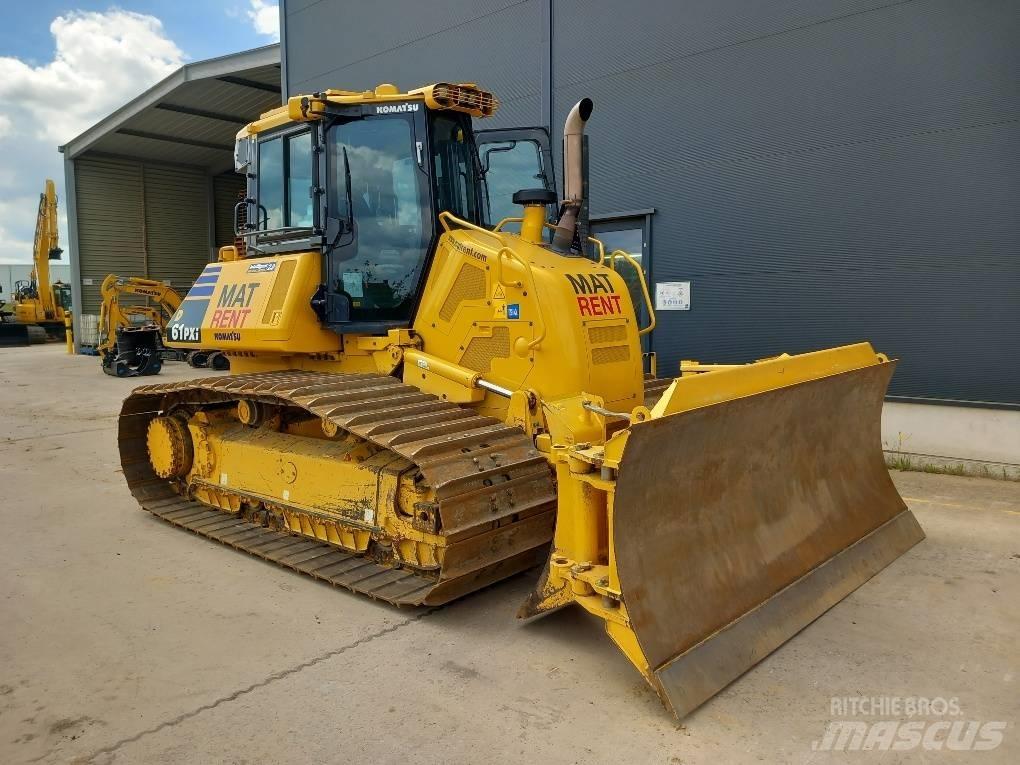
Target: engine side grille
603	333
610	354
482	350
469	285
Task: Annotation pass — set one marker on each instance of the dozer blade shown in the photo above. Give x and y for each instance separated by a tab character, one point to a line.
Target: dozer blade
736	524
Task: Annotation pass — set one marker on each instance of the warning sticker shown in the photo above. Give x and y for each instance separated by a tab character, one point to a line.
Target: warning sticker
500	293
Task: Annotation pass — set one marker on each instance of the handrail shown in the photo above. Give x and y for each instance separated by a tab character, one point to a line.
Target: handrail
499	226
640	274
446	216
644	286
507	252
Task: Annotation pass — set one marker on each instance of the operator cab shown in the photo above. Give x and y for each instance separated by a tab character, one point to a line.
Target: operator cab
364	185
62	296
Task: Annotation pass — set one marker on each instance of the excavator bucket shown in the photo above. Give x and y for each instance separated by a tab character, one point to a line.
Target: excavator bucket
736	523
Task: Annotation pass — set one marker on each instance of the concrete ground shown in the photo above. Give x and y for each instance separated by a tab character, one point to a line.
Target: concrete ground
123	639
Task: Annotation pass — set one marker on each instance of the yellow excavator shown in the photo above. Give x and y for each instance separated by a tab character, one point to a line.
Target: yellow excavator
131	335
424	401
38	306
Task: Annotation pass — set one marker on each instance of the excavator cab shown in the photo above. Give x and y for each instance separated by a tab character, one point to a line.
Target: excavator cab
62	296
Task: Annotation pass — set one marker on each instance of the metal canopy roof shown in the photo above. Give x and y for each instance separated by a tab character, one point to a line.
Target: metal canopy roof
192	116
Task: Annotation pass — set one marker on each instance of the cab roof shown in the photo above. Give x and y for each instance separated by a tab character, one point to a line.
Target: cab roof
464	97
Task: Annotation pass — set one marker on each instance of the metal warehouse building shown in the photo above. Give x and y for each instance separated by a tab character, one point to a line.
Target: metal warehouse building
817	171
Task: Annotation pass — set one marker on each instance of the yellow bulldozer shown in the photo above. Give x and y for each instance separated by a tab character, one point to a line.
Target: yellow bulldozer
424	401
131	335
39	307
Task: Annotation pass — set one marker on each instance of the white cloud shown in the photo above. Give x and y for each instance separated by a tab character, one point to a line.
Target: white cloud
265	17
102	61
17	247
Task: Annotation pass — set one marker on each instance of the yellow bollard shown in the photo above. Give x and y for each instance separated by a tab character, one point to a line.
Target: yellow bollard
69	332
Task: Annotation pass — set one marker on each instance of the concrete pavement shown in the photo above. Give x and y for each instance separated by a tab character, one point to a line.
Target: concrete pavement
123	639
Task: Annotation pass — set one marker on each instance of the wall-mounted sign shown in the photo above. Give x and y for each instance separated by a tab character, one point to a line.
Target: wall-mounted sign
86	282
672	296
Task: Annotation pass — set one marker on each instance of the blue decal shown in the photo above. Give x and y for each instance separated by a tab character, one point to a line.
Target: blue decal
513	311
202	290
207	279
185	326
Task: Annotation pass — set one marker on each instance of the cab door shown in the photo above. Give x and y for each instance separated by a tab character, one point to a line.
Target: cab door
510	160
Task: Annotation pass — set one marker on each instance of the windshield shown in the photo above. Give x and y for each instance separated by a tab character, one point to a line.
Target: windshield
380	270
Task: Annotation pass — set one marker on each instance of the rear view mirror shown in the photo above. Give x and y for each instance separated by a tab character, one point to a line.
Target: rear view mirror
244	151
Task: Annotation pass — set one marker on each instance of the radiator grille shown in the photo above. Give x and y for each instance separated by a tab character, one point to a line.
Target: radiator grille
611	333
470	285
610	354
482	350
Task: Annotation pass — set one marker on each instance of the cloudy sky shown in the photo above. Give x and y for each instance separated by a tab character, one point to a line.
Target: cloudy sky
65	64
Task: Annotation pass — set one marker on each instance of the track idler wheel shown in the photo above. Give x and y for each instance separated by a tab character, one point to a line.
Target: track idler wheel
168	442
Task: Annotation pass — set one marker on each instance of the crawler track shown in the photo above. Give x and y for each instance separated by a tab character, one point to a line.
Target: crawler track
495	496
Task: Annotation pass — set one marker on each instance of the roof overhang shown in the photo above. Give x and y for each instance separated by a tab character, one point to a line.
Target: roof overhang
192	116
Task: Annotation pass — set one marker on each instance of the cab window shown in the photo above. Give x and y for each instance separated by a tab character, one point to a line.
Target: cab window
509	167
285	181
456	179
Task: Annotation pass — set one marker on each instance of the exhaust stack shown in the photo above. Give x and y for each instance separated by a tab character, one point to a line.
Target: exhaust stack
573	175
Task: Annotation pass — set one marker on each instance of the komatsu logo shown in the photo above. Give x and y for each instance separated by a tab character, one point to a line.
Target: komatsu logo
396	108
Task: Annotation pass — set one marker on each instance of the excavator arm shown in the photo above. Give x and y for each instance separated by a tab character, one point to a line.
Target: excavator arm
46	248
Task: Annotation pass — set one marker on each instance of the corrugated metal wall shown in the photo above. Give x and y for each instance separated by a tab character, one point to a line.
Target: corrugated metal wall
823	171
495	42
226	188
177	225
138	219
110	234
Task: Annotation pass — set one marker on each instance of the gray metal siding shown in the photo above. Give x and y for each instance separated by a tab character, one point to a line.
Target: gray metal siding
492	42
823	171
138	219
110	236
176	224
226	188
